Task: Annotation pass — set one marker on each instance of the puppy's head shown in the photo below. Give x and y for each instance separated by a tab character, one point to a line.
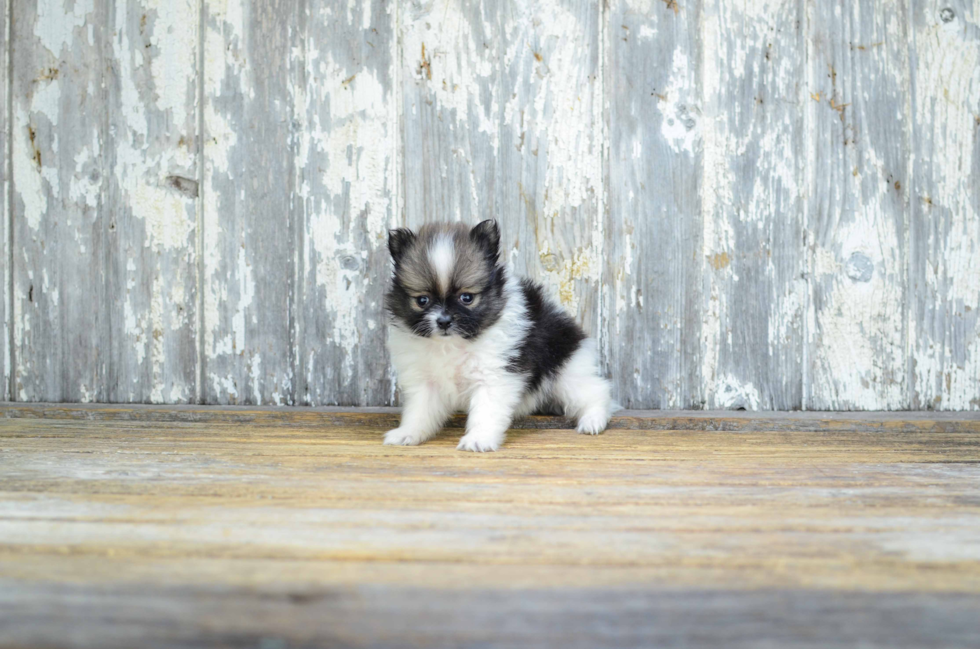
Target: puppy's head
447	280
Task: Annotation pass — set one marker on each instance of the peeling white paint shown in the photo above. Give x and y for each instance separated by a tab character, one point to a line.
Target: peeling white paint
859	328
6	276
729	393
56	24
28	180
528	73
355	139
679	113
947	114
175	41
223	44
455	65
552	106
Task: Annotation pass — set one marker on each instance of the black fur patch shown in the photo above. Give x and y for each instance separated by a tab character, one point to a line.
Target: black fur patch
550	342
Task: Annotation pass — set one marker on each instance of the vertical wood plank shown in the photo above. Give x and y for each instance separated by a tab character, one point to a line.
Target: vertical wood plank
346	185
151	164
857	202
58	172
249	240
945	206
550	149
653	274
755	289
449	68
5	243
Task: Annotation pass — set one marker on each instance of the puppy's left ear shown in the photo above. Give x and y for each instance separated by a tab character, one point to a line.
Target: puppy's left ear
398	242
487	236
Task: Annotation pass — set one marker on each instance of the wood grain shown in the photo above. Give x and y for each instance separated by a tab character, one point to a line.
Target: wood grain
762	205
549	176
151	162
859	130
59	200
346	184
386	418
755	291
944	233
348	617
653	228
449	110
249	214
250	530
6	274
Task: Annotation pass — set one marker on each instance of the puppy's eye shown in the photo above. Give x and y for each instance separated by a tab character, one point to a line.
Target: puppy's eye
466	298
422	301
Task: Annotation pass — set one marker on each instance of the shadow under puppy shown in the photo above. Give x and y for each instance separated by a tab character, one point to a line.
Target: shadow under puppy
466	335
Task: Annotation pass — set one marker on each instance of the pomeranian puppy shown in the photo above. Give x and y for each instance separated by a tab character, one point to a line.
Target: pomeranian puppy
466	335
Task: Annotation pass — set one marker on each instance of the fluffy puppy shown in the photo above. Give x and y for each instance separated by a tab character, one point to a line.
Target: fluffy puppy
466	335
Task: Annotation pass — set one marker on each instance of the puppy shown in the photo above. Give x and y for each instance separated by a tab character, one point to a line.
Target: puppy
466	335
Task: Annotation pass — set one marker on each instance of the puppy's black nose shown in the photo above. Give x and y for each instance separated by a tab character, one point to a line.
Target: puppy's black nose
444	321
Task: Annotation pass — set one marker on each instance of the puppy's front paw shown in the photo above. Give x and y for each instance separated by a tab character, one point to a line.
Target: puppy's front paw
402	437
479	442
592	423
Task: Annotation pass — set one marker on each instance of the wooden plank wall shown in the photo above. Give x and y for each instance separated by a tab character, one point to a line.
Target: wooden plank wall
759	204
5	259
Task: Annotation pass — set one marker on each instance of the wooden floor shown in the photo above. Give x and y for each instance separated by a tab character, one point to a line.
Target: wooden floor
274	528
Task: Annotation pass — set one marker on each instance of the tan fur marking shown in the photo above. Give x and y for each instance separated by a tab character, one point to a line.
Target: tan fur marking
419	274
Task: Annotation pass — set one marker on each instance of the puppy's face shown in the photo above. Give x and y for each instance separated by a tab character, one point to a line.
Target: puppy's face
447	281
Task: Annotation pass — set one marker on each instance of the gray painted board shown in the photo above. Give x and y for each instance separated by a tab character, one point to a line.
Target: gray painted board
151	164
549	146
249	213
858	130
5	273
944	233
59	201
653	224
448	116
762	205
754	300
345	193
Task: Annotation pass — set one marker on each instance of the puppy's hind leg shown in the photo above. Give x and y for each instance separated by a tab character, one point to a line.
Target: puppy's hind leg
587	397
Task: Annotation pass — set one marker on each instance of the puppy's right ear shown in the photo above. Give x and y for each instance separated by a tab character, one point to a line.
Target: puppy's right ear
398	242
487	235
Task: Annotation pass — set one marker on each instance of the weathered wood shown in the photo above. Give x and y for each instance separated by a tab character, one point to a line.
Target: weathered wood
346	188
755	290
944	234
549	144
249	209
151	163
59	200
197	533
893	422
857	201
653	227
105	278
448	65
342	617
6	275
747	206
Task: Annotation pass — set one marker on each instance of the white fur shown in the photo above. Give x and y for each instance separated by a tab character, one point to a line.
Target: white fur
442	256
439	375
